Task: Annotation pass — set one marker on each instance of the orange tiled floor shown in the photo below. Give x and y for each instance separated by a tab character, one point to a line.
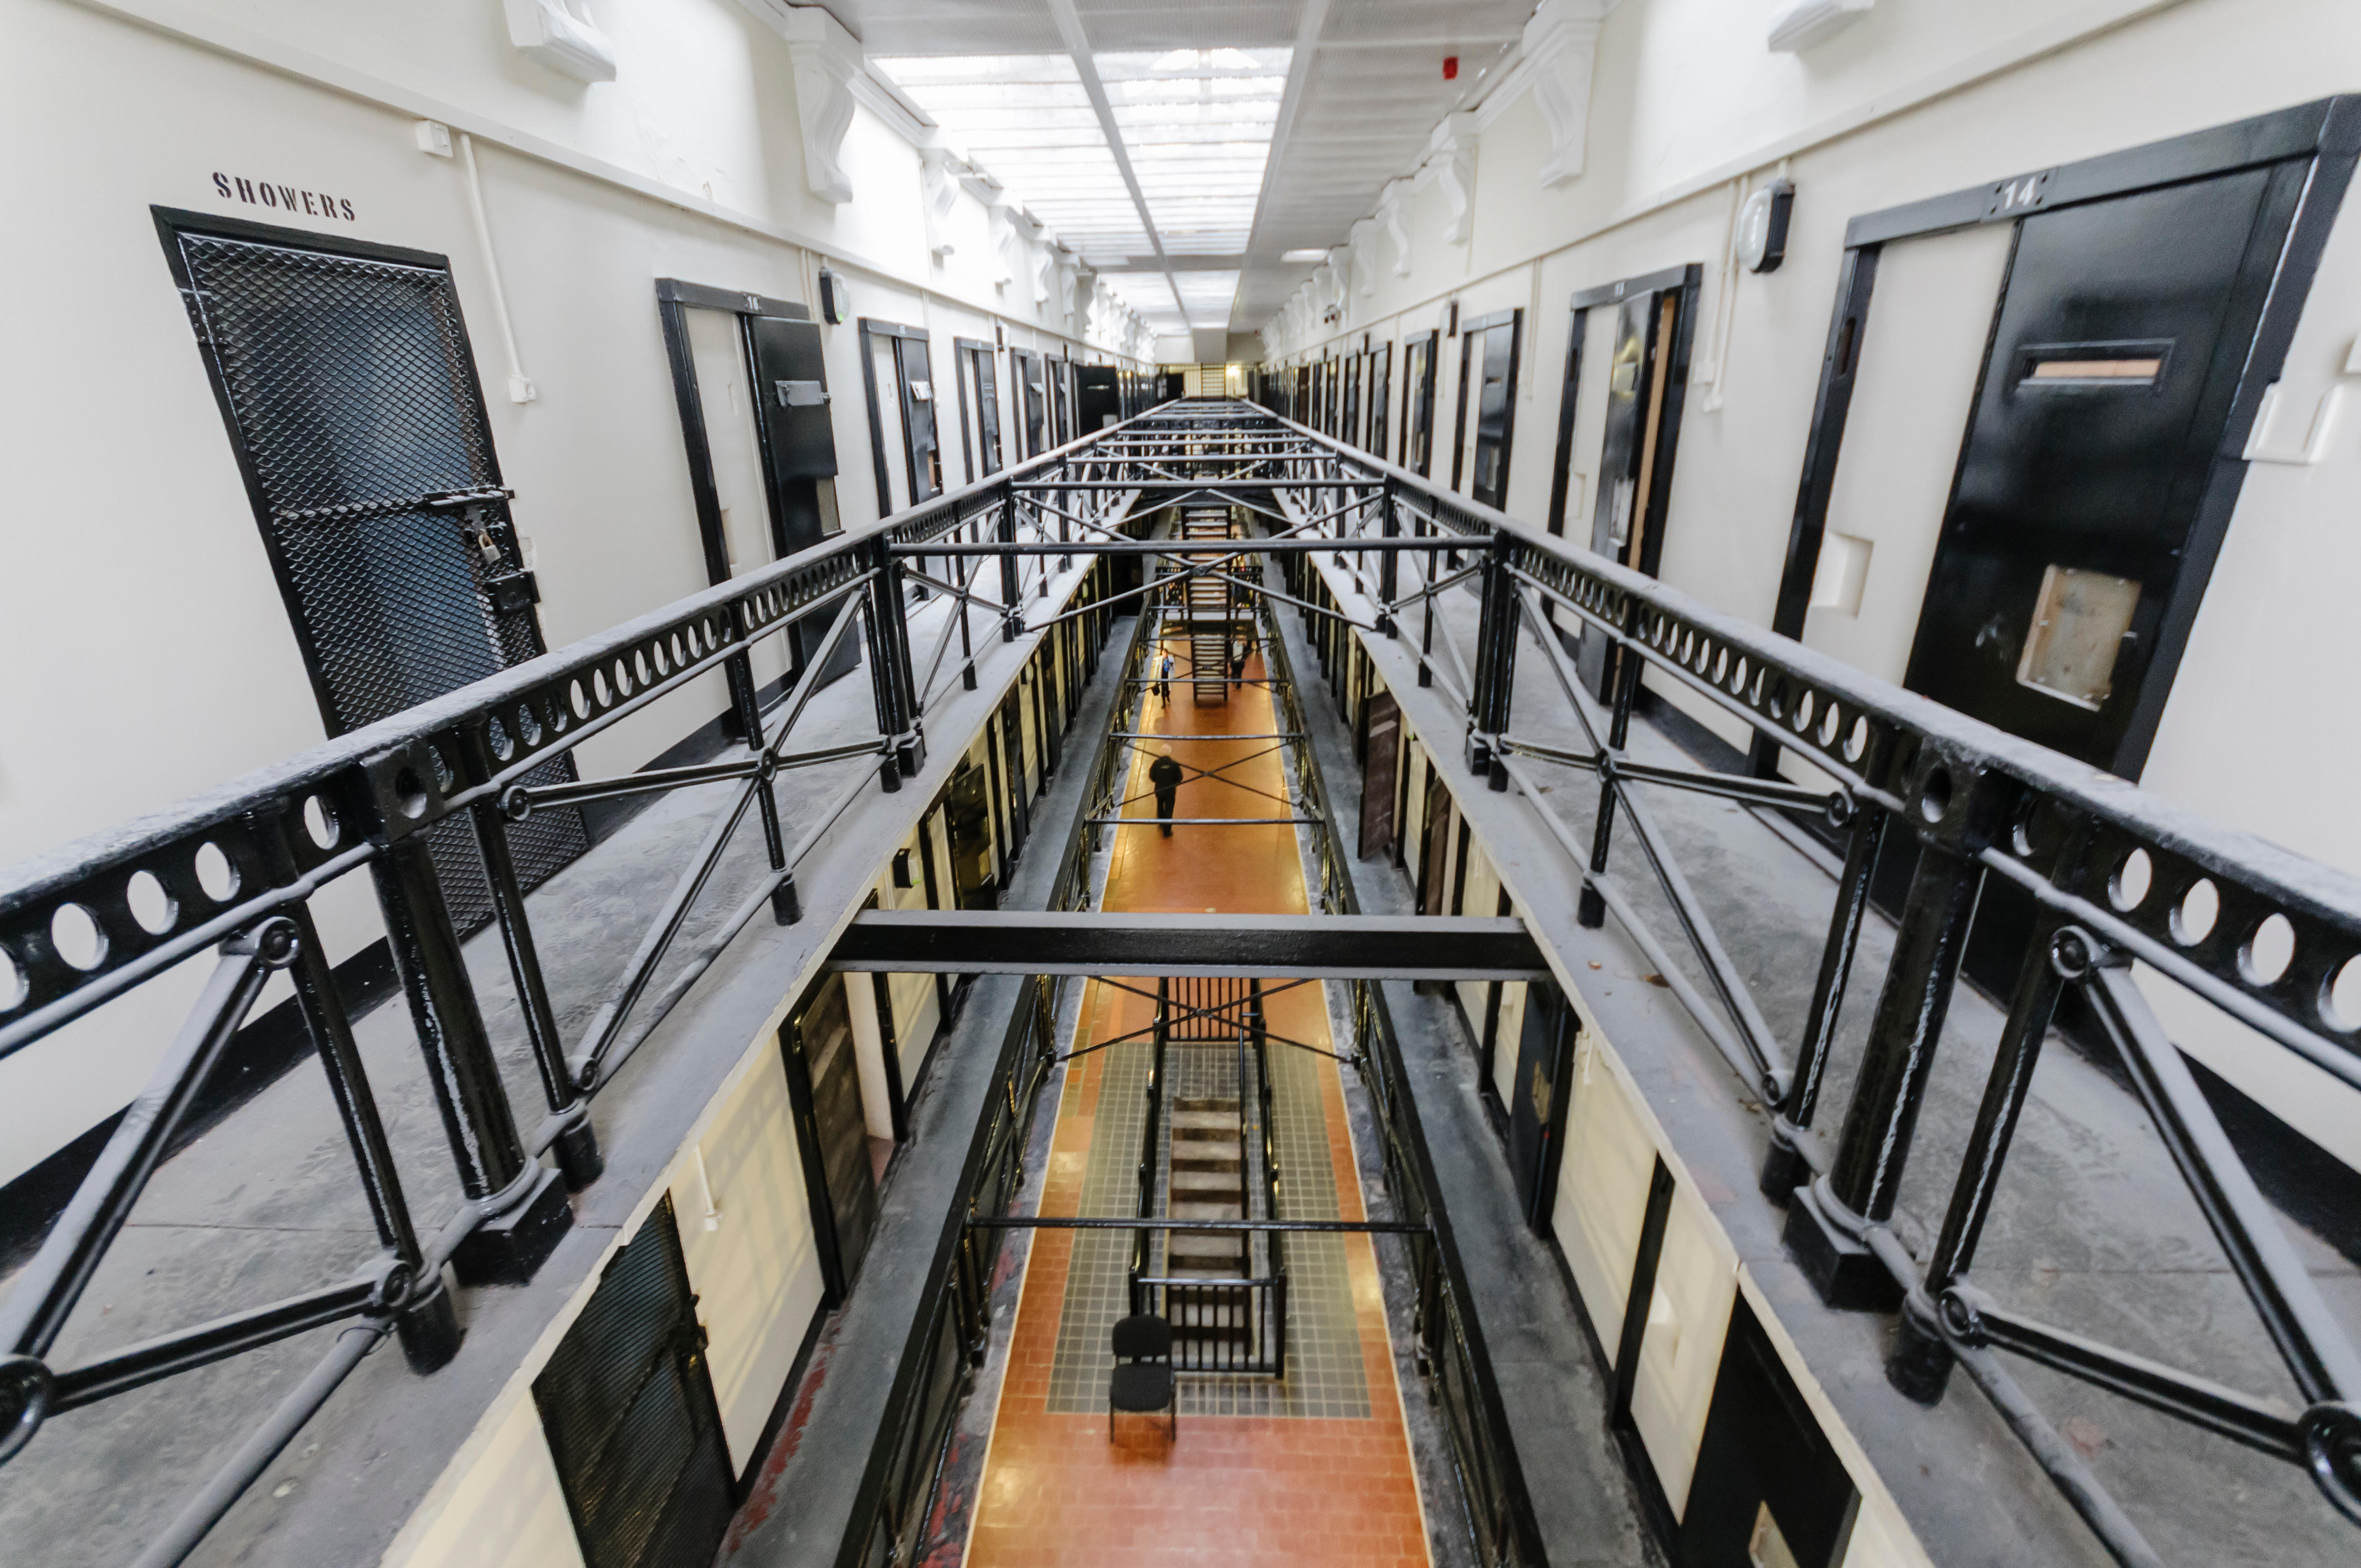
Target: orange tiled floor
1232	1489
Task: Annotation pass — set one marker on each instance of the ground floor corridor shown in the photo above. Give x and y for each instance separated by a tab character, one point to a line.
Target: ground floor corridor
1312	1466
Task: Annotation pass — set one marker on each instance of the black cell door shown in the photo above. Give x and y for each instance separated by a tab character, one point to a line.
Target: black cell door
1537	1099
1033	395
969	812
1418	405
2092	493
1648	361
345	374
1012	746
1097	396
824	1085
1494	352
913	370
1381	749
627	1402
2071	557
1768	1486
798	433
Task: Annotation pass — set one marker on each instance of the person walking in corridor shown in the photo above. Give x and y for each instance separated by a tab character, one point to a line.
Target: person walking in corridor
1164	681
1164	775
1239	652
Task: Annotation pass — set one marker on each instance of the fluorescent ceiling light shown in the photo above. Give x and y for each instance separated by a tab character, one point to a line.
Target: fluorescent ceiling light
1314	254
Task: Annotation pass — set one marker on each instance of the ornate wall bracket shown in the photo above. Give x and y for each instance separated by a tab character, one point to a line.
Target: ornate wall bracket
827	60
1451	163
1560	49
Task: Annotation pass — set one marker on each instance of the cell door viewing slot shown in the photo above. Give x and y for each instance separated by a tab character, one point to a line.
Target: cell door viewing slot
757	423
344	375
914	407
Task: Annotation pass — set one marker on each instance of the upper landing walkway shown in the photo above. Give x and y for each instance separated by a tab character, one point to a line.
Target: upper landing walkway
1858	1257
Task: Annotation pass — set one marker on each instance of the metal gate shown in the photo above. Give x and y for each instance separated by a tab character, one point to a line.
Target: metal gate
344	375
627	1402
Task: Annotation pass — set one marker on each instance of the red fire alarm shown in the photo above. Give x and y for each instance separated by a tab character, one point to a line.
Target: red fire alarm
1450	68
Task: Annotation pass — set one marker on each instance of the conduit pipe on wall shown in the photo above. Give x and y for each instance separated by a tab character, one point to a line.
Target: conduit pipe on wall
521	387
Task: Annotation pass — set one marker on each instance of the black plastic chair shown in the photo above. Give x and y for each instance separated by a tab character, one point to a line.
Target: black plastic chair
1143	1380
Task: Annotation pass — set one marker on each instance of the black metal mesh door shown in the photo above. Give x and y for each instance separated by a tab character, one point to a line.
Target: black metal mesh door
627	1404
352	396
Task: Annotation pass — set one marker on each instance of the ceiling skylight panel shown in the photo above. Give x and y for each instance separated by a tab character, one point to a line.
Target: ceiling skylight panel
1027	121
1197	124
1151	296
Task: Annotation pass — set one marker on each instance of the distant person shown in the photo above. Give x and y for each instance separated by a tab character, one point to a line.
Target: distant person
1164	682
1164	775
1238	664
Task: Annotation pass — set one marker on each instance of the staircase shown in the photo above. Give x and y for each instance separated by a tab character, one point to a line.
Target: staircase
1209	609
1208	1182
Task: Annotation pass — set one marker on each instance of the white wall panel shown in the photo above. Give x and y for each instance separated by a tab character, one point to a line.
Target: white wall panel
498	1507
1602	1190
753	1261
1696	1281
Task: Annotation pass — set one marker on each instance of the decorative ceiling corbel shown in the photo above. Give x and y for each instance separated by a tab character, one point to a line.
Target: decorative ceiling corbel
939	185
1002	217
1390	203
1560	49
827	60
1340	276
1039	263
1451	163
1364	254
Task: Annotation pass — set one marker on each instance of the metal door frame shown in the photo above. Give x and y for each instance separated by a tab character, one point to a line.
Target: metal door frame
2327	130
172	223
1514	319
896	334
675	300
1652	511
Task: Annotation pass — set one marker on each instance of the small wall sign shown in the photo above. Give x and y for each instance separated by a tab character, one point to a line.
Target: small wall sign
289	198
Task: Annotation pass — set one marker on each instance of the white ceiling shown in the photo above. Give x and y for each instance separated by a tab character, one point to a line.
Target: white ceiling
1237	156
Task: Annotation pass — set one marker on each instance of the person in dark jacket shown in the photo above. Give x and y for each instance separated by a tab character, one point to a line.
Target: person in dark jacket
1164	775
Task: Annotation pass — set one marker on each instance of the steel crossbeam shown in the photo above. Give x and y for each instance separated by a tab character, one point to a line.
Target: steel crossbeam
1096	942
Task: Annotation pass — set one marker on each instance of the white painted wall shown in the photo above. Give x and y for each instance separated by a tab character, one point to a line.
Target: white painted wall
746	1233
132	576
1918	99
499	1505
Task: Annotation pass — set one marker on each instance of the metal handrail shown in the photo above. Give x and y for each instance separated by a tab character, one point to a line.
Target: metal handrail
2110	869
236	868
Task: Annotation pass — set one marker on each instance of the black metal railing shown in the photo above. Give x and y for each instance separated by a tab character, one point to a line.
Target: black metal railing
234	872
2114	875
1496	1509
946	1342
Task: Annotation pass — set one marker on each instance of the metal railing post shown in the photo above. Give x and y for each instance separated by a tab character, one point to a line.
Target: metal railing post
576	1148
1590	905
1828	1221
523	1203
1921	1363
1783	1168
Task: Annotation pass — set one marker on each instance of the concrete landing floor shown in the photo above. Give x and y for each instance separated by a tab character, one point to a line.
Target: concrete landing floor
2092	1228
